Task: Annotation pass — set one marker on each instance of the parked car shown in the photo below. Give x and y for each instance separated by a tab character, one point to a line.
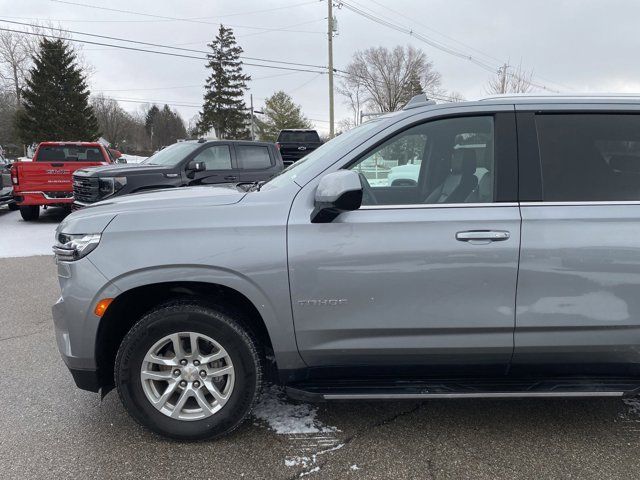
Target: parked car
521	284
6	188
294	144
47	180
181	164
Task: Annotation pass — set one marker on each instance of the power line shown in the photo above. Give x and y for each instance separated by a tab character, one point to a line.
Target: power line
136	49
165	17
438	45
150	44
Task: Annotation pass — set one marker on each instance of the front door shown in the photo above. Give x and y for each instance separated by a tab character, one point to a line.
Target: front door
219	166
424	273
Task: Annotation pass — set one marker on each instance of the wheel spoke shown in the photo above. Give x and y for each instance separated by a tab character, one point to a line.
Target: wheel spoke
151	375
184	396
170	362
177	346
159	403
202	401
221	399
193	339
213	357
218	372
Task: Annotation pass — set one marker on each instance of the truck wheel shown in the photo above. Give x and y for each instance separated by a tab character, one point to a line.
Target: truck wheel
30	212
188	372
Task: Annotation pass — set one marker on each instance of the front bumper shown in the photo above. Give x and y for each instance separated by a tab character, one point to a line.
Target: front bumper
76	325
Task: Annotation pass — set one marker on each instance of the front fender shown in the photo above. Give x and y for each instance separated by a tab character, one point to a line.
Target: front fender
279	326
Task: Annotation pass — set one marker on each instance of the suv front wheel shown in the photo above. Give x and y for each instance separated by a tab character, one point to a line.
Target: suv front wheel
188	372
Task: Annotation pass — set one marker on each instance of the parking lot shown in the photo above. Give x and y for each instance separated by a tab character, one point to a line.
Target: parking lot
50	429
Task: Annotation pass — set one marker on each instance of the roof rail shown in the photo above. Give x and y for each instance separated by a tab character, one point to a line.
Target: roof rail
556	96
420	100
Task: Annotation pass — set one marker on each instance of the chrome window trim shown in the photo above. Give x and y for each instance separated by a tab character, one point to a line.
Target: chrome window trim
579	204
437	205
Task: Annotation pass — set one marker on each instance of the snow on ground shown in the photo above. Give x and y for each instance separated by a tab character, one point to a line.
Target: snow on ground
24	239
287	418
133	158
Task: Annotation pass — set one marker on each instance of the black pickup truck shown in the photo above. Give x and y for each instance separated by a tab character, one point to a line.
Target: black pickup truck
6	187
194	162
296	143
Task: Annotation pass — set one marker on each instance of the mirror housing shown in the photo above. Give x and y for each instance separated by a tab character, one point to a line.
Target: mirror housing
337	192
193	166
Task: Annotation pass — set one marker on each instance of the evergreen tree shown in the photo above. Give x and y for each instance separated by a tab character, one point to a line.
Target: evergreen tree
55	102
224	109
280	112
150	117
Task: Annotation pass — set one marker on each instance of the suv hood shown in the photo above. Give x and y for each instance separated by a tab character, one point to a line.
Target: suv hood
121	169
95	218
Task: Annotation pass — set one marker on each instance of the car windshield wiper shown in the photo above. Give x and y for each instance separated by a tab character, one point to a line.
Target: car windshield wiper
251	186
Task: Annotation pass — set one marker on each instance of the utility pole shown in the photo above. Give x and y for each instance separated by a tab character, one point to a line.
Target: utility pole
503	81
330	41
253	135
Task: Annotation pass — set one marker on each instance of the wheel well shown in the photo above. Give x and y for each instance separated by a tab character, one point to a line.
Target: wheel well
130	306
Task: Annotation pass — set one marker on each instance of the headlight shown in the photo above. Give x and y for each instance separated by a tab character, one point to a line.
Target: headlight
74	247
110	185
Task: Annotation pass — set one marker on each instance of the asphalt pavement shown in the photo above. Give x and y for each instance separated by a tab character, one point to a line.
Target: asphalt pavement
50	429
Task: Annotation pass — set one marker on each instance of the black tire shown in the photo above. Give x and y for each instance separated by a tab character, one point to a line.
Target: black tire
30	212
13	206
183	316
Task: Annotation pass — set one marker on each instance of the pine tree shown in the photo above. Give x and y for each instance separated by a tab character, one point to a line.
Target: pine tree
224	109
280	112
55	102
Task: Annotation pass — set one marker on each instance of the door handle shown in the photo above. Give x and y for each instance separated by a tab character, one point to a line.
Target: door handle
230	177
483	235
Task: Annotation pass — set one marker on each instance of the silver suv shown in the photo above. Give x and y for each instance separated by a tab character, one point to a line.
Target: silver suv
483	249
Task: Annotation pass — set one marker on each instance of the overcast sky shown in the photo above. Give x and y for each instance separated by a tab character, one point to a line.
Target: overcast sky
572	45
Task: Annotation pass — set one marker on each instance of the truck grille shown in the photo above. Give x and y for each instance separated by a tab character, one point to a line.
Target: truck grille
85	189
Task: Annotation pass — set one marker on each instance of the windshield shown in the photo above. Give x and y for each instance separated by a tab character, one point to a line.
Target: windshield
290	173
172	155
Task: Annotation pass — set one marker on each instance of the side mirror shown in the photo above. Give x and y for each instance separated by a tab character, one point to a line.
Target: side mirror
337	192
194	166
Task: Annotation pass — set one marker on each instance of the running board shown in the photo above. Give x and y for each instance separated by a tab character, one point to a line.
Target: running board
463	388
426	396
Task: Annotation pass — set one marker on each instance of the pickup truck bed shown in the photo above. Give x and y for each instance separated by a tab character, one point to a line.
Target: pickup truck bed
47	180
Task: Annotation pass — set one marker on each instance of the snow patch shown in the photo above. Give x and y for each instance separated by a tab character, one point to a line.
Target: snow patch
634	405
133	158
309	472
354	467
287	418
25	239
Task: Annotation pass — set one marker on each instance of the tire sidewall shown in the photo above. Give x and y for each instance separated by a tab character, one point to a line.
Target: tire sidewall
205	321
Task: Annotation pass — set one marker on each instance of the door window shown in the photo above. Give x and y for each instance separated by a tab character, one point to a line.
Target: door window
443	161
253	157
589	157
216	157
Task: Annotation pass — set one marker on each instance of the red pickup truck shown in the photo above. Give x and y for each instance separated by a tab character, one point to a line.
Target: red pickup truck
47	179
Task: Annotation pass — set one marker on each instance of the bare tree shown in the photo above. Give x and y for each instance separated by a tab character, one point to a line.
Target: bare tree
353	91
114	122
15	60
387	77
455	97
510	79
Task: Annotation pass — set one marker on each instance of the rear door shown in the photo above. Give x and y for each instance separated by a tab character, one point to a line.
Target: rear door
409	280
578	307
255	162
